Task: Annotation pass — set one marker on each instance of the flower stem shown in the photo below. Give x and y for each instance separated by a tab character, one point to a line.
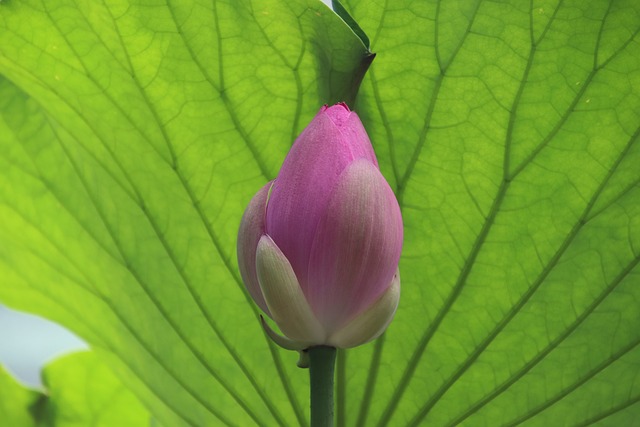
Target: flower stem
322	360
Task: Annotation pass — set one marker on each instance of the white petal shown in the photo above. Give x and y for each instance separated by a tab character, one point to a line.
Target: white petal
249	233
284	297
283	342
372	322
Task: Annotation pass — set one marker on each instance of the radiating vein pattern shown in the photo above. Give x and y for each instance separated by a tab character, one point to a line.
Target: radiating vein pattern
133	135
521	202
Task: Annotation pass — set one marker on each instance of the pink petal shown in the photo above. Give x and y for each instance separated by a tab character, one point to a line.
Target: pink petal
356	248
309	174
249	234
372	322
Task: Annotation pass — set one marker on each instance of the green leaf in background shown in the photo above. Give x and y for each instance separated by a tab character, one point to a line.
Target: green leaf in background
79	391
16	401
133	135
82	391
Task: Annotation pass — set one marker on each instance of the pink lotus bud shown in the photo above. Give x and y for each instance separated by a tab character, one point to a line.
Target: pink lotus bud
318	247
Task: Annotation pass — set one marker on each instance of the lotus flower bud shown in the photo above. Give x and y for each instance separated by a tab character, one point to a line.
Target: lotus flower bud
318	247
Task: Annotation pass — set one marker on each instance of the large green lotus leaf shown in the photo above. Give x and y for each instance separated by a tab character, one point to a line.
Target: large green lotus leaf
137	133
511	133
133	134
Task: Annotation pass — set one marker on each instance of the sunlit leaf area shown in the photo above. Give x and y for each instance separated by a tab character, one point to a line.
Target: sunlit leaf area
134	133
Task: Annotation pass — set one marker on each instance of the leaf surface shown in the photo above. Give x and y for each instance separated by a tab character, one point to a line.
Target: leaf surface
134	134
80	390
16	401
83	391
511	133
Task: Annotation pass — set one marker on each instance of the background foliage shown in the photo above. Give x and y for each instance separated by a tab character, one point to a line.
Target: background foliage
133	134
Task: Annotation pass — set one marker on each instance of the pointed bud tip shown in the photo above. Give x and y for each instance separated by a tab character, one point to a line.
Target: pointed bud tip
338	113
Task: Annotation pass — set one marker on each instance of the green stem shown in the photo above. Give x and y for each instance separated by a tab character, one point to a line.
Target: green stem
341	361
322	360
